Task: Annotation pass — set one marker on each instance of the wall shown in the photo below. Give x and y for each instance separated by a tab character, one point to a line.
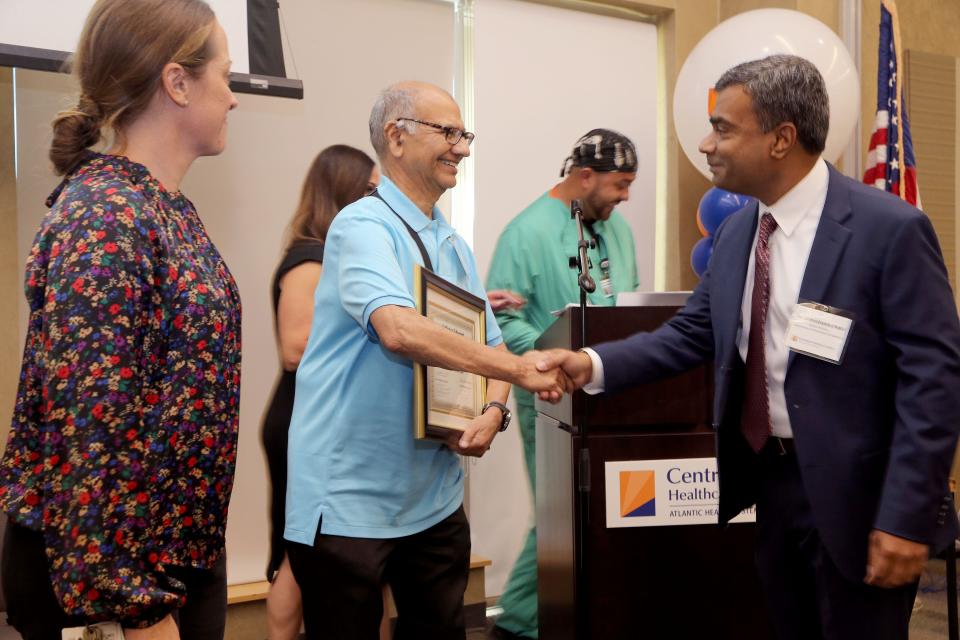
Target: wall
9	258
930	94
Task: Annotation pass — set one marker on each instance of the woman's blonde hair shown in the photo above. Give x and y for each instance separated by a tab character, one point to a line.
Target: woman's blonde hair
123	48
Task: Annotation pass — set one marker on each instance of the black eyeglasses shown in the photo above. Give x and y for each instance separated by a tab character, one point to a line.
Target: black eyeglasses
451	134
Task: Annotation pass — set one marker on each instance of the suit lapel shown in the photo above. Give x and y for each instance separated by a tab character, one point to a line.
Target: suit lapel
829	242
729	272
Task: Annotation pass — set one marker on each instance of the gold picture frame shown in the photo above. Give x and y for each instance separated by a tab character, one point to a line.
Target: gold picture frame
447	401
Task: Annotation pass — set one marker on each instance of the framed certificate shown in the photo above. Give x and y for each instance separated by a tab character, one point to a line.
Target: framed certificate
443	400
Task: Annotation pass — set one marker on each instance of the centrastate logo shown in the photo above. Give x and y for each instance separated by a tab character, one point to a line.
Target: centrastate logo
638	494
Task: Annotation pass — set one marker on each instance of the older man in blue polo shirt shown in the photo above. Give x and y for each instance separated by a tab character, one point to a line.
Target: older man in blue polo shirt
366	503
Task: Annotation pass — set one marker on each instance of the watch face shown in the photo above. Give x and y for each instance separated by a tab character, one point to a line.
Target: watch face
505	413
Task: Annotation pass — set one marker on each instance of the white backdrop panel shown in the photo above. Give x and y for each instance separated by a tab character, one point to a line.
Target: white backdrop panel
27	23
544	77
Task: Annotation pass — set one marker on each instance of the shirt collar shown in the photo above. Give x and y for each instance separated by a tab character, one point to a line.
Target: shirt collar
801	200
404	206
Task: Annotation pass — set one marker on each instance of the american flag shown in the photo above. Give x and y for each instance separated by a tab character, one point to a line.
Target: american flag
891	163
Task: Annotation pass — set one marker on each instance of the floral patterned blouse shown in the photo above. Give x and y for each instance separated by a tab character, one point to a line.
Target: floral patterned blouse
123	444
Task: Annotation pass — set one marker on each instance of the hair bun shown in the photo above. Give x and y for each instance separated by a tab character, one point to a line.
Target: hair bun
74	131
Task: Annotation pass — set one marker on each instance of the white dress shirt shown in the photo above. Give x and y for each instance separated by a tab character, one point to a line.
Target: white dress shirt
797	214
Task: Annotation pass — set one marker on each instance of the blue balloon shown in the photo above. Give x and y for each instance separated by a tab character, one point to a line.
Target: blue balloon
716	204
700	255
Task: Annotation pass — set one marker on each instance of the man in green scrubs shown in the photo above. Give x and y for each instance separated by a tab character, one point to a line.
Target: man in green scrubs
532	258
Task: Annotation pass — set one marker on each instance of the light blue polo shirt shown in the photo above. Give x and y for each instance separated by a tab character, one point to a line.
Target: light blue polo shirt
354	466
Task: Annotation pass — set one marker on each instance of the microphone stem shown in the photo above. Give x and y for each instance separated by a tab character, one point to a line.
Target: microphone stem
587	285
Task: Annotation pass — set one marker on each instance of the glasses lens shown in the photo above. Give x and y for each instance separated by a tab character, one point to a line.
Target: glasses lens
453	135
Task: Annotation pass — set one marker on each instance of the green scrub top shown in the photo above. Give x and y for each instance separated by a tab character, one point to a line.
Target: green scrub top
532	258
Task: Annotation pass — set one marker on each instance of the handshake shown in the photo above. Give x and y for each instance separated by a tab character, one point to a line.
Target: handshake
554	372
549	374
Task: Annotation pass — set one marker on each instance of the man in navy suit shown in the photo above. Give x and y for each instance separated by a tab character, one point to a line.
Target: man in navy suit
831	323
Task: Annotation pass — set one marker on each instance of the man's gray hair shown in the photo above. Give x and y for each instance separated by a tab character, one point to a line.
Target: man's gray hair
392	103
785	88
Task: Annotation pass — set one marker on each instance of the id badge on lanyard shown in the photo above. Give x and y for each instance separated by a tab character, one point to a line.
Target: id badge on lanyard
606	284
99	631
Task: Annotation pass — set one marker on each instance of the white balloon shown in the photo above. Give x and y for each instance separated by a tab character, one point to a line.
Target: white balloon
758	34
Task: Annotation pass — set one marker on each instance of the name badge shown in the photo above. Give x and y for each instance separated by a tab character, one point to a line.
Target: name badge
819	331
99	631
606	284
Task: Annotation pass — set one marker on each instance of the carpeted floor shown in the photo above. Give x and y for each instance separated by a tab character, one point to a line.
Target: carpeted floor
929	621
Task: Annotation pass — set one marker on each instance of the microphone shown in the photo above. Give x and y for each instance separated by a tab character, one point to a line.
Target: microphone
585	281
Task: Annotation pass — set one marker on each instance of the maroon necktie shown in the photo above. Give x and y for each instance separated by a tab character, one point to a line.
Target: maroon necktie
755	420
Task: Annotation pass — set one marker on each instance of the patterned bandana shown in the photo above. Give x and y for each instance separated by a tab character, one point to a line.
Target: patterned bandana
602	150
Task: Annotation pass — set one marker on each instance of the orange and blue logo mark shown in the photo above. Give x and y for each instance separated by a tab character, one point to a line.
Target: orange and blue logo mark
638	494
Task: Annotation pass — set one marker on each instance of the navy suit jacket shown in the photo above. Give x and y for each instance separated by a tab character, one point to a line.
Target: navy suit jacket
874	435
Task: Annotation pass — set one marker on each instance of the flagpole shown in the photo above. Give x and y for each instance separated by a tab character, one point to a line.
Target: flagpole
850	18
891	6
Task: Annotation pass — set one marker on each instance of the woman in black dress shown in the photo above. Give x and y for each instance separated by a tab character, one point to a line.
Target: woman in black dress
338	176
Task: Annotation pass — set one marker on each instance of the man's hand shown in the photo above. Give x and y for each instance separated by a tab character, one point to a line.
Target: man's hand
476	439
166	629
501	299
550	383
893	561
576	365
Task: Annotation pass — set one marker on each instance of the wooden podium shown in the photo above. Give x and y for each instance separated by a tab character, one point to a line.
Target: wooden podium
640	582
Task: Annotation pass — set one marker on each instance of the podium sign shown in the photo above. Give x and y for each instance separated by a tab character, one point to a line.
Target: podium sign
661	493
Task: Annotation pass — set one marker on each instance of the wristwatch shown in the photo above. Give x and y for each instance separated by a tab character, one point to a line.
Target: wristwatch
507	416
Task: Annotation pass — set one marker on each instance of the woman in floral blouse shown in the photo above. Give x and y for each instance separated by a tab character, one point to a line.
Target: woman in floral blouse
120	462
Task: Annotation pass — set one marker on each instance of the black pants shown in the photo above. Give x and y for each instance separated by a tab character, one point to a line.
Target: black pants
807	596
341	581
34	611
